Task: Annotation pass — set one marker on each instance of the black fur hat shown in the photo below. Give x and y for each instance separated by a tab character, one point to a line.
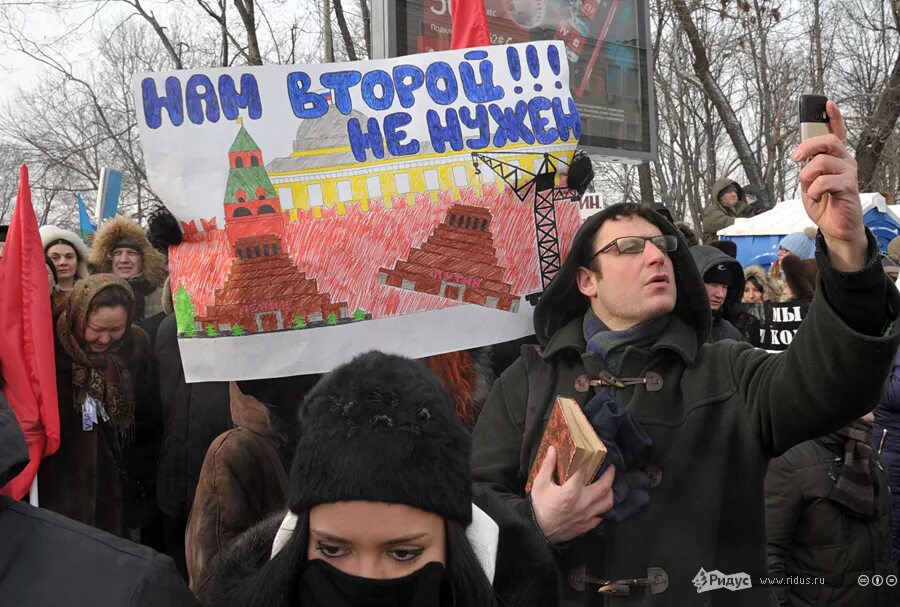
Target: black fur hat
382	428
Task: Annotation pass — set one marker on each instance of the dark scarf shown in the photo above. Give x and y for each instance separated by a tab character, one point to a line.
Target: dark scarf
628	445
854	488
142	288
103	377
325	586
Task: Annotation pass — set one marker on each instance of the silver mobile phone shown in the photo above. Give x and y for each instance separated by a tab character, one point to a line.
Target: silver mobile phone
813	117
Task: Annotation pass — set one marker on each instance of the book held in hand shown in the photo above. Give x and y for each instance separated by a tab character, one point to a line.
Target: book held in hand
575	441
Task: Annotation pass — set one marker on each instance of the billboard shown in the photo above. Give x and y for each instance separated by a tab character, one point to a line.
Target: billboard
607	46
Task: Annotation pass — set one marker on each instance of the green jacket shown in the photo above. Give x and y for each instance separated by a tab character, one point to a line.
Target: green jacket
717	216
724	410
809	535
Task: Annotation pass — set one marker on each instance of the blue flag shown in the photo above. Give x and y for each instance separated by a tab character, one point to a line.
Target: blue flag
108	194
87	226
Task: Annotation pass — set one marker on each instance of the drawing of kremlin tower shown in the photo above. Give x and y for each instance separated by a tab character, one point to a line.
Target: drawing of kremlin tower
458	261
265	290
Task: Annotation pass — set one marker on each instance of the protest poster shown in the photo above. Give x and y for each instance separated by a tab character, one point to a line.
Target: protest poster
771	326
410	205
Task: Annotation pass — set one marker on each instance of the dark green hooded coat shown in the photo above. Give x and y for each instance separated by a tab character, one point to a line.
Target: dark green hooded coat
724	410
717	216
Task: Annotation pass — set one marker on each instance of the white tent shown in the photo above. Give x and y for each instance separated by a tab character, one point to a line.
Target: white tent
790	216
757	237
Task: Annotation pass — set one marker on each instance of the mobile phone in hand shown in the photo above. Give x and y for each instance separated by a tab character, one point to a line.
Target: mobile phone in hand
813	117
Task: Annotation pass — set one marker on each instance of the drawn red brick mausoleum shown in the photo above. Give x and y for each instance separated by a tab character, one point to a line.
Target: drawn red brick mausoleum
265	290
458	261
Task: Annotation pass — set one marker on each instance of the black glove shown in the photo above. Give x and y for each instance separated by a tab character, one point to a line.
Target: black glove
163	230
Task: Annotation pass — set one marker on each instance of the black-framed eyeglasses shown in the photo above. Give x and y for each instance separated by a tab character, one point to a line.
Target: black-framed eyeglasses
632	245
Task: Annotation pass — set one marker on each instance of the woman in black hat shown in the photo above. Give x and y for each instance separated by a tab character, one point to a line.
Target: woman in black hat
380	509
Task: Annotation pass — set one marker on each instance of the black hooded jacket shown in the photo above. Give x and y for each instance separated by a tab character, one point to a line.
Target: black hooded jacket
707	258
51	561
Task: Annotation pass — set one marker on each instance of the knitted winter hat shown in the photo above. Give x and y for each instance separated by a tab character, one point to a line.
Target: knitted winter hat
722	274
382	428
802	244
800	275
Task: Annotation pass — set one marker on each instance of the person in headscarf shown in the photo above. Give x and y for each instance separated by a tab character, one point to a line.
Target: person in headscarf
87	566
102	367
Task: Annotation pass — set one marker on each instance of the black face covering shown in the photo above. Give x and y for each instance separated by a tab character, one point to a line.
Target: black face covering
321	585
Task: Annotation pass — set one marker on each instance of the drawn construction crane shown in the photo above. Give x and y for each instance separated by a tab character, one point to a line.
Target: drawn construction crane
541	186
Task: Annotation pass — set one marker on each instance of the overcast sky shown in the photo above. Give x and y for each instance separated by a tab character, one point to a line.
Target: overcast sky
72	22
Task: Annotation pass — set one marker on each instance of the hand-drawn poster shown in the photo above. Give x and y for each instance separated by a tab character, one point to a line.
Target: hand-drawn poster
410	205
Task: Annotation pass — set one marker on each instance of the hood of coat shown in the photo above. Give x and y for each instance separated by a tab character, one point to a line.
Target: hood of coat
51	233
249	413
739	208
13	451
720	185
758	273
120	229
563	302
708	258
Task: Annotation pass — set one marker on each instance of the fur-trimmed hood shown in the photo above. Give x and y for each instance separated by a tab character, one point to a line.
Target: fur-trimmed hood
770	290
116	230
51	233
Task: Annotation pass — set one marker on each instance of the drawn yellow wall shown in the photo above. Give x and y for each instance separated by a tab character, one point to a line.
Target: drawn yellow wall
318	186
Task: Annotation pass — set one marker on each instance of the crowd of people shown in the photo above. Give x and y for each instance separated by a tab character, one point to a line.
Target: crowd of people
390	481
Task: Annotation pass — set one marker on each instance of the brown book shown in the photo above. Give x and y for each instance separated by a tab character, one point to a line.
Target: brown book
575	440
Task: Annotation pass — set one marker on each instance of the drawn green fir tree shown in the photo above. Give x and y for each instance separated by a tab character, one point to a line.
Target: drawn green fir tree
299	323
359	314
211	331
332	319
185	312
238	330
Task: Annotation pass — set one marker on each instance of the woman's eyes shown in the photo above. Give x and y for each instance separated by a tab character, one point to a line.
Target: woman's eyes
406	554
332	551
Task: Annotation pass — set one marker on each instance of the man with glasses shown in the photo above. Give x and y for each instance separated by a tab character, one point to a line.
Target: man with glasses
689	426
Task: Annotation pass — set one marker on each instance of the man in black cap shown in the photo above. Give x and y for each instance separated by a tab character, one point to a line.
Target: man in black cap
723	278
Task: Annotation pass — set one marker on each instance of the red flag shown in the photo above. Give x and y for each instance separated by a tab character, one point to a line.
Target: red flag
469	24
27	360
